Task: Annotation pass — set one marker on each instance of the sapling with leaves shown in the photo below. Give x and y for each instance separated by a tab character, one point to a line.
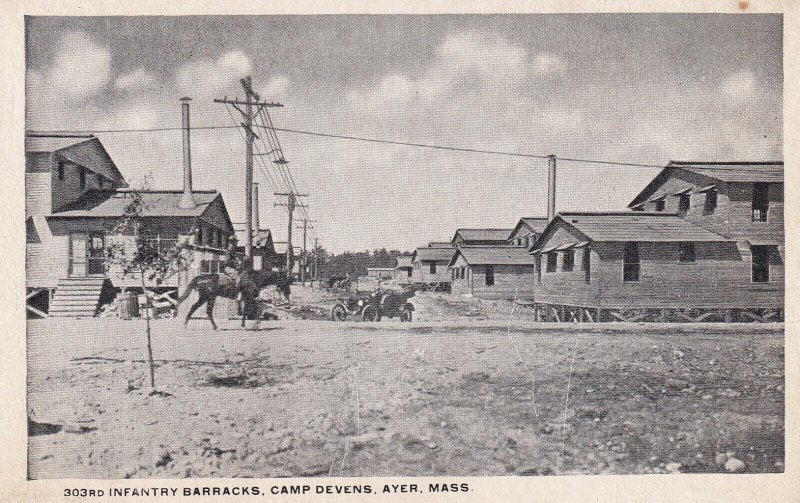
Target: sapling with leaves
138	252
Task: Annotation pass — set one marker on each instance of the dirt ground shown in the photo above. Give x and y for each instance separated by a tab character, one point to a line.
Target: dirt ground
463	396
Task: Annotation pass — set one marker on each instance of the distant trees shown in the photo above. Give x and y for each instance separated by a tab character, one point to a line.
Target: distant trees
354	263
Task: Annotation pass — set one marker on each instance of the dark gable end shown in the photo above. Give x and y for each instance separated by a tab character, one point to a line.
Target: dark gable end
217	213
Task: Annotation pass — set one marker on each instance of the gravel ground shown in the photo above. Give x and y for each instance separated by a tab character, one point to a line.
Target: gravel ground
461	397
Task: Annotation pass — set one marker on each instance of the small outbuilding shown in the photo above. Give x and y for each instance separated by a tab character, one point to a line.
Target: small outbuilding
493	272
430	265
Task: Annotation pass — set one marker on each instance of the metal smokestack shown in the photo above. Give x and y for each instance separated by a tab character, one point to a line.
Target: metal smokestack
187	200
551	187
256	223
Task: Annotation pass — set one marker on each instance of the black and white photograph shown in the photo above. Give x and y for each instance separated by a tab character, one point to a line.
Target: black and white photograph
355	246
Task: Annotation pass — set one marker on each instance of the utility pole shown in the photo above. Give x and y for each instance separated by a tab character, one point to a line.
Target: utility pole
291	203
251	100
316	258
304	256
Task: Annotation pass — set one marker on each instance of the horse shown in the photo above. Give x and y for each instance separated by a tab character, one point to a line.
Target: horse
249	284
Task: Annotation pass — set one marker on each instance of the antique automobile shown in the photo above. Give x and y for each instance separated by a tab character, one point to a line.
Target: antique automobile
374	306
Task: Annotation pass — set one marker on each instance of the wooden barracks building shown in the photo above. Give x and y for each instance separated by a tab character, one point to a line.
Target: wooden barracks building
75	196
702	241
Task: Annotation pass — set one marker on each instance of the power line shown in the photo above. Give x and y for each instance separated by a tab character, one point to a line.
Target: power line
371	140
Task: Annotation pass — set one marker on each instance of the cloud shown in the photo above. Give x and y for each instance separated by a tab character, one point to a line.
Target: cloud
549	64
739	86
135	80
209	76
276	89
81	67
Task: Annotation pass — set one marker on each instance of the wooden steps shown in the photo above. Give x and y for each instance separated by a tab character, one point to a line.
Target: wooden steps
76	297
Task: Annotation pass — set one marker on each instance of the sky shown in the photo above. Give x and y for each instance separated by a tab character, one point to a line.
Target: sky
643	88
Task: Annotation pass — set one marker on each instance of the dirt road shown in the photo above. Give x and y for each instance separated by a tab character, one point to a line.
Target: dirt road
313	398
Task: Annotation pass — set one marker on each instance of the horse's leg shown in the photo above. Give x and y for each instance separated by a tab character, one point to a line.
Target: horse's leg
194	308
210	311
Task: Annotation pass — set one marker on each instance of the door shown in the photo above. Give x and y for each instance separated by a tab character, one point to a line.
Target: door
97	254
78	254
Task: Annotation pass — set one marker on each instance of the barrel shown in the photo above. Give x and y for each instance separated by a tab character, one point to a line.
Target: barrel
128	306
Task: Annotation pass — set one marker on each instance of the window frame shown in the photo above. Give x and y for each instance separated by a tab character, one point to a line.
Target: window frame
432	267
661	205
764	268
552	256
687	252
82	177
488	276
61	168
684	204
631	261
762	208
568	260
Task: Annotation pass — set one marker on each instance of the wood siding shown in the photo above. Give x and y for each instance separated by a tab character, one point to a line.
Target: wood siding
510	281
720	277
422	272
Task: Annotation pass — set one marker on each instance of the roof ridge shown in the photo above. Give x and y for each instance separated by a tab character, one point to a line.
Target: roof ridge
619	213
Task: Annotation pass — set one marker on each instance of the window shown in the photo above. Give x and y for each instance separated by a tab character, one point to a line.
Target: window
61	170
569	260
489	275
660	205
683	204
205	266
100	181
552	261
760	202
82	176
537	264
760	264
630	262
200	236
686	252
711	202
409	273
587	264
463	272
433	268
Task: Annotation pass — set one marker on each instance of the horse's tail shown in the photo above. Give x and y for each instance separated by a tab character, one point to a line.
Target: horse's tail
191	286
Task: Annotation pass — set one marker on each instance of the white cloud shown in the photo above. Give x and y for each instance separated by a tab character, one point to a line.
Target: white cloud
276	89
80	68
209	76
739	86
135	80
549	64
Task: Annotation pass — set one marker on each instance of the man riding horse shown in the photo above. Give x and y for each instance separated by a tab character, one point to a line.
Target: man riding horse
244	284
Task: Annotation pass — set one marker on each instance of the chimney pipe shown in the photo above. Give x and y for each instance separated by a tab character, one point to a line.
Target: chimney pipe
256	223
551	187
187	200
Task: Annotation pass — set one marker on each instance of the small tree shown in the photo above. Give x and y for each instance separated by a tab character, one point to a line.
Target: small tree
140	253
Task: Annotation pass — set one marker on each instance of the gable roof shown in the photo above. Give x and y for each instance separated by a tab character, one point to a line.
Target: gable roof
538	224
156	203
85	150
632	226
440	244
499	235
493	255
731	172
443	254
404	260
261	238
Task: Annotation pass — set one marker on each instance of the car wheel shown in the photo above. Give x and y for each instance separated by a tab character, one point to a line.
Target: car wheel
338	313
370	314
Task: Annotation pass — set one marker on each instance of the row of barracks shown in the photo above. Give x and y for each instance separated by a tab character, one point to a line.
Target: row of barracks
702	241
